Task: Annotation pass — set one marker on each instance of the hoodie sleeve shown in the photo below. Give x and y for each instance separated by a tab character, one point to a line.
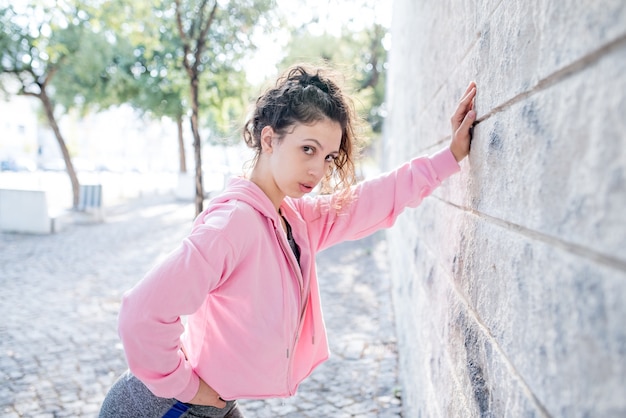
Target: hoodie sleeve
150	315
376	203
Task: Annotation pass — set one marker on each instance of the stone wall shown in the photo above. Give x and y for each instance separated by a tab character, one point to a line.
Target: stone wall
509	282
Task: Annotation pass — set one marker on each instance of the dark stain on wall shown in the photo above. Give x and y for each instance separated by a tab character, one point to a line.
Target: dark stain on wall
530	115
431	277
495	139
458	262
475	368
484	45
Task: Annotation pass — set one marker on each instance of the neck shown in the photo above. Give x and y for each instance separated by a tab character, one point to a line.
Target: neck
263	179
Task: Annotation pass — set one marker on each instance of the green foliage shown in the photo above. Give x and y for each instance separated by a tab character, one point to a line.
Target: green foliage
58	49
222	99
24	54
95	54
92	80
152	78
217	57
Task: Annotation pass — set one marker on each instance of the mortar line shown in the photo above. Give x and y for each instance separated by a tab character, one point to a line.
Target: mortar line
457	382
515	374
450	363
576	249
464	56
479	31
559	75
447	359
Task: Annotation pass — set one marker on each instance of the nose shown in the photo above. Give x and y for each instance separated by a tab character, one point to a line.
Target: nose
316	170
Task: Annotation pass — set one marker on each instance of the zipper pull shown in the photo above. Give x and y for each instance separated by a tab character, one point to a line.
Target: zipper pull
287	353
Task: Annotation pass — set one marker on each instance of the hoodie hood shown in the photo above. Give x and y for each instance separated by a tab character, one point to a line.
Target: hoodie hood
244	190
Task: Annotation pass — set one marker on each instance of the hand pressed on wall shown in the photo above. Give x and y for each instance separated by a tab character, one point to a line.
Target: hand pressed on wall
462	121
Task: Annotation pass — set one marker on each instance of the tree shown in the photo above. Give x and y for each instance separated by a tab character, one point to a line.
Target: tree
151	78
49	52
213	34
159	83
93	54
187	57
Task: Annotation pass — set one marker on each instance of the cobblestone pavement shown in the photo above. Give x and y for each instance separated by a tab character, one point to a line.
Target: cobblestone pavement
59	349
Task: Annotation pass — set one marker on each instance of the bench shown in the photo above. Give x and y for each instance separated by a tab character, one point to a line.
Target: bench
89	204
90	197
26	211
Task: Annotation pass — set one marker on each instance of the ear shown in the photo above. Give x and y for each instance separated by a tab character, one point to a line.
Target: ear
267	136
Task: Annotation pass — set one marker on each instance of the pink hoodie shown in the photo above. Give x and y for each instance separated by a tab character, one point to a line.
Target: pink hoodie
254	327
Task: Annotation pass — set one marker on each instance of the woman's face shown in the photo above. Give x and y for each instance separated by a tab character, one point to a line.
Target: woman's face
299	161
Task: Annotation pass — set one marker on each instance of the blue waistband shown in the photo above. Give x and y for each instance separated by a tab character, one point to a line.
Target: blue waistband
176	410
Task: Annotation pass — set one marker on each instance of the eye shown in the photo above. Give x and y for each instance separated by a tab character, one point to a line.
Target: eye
308	150
330	158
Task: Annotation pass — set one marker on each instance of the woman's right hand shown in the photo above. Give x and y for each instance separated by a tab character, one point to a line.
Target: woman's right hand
206	396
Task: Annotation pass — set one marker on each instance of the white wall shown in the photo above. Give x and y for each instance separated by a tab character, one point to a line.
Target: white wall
510	281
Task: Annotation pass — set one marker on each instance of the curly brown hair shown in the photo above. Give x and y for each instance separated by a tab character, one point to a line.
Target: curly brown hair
306	95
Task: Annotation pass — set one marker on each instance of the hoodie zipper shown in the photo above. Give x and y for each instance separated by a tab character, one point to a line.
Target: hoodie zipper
290	350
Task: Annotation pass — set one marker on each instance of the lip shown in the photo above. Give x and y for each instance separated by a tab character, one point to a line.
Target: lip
304	188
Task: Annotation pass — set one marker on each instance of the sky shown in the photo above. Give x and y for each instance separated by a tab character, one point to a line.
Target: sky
333	14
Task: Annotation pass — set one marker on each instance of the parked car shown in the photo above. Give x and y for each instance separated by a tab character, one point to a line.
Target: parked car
17	165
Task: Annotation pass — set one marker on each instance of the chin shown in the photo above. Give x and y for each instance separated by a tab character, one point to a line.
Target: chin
297	195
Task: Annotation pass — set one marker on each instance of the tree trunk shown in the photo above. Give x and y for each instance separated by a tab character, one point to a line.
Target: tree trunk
197	145
192	67
181	145
47	104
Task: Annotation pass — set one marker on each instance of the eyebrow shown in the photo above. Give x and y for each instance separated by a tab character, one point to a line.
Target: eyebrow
320	145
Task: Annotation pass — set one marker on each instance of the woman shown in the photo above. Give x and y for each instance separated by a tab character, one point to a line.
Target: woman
245	275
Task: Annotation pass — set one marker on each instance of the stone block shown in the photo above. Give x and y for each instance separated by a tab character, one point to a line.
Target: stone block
544	309
24	211
526	44
550	166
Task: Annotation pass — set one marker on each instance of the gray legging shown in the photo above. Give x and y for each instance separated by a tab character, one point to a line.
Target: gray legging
129	398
